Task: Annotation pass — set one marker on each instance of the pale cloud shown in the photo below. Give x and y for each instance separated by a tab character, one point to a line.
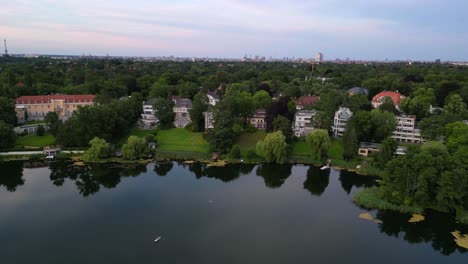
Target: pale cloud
214	27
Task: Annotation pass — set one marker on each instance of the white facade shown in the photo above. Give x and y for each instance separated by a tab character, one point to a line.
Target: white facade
303	122
340	120
318	57
213	98
258	119
406	130
209	122
148	116
181	109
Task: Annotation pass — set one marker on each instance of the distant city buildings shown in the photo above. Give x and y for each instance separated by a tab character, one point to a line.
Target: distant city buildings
36	107
340	120
318	57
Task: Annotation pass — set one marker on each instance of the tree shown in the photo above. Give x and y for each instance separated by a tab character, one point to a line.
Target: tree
7	135
235	152
361	122
281	123
40	130
273	148
387	105
99	149
358	102
383	124
53	122
262	99
419	104
7	111
136	148
163	110
199	106
350	144
319	142
455	105
389	146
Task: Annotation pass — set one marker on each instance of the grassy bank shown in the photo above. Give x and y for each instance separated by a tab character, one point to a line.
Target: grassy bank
369	198
35	141
181	140
248	141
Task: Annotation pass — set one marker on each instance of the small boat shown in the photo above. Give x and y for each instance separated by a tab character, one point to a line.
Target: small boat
325	167
157	239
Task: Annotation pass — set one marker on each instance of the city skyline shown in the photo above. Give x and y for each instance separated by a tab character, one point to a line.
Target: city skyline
357	29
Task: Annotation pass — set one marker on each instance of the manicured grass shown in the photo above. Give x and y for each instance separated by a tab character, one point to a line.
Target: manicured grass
35	141
248	141
300	149
336	150
180	139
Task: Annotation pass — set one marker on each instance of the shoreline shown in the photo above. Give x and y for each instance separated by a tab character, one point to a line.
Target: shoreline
189	157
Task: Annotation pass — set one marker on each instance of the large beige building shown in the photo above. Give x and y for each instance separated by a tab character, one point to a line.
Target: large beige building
37	106
406	130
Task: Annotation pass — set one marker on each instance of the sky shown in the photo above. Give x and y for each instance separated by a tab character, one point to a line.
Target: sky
355	29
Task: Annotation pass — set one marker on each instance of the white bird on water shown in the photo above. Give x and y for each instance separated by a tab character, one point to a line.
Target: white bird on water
157	239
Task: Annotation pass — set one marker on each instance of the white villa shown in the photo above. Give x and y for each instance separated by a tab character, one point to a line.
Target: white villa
341	119
181	109
303	122
406	130
148	117
213	98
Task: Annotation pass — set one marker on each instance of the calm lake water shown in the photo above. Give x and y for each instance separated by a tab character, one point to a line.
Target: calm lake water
237	214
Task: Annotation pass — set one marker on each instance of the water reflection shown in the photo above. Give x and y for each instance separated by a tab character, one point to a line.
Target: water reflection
274	175
89	179
435	229
225	174
349	179
163	168
12	175
317	180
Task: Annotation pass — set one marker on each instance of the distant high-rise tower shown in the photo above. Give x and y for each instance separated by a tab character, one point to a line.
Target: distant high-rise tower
6	50
319	57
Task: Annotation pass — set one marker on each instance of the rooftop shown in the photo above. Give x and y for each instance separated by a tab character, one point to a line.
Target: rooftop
45	99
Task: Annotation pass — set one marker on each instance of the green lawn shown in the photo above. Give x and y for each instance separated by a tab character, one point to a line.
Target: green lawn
35	141
181	139
300	149
336	150
248	141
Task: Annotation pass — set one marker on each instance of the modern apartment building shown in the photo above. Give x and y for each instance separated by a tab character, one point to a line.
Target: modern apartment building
340	120
406	130
303	122
148	116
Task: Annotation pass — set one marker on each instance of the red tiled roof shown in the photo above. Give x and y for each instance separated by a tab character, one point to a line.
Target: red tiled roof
307	100
44	99
395	96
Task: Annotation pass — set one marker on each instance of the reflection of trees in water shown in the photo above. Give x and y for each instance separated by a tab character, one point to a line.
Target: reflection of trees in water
12	175
88	179
162	168
317	180
435	229
225	174
274	175
350	179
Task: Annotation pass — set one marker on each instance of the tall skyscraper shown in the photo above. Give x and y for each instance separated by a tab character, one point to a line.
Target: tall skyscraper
319	57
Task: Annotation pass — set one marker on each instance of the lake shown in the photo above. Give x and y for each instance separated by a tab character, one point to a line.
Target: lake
237	214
